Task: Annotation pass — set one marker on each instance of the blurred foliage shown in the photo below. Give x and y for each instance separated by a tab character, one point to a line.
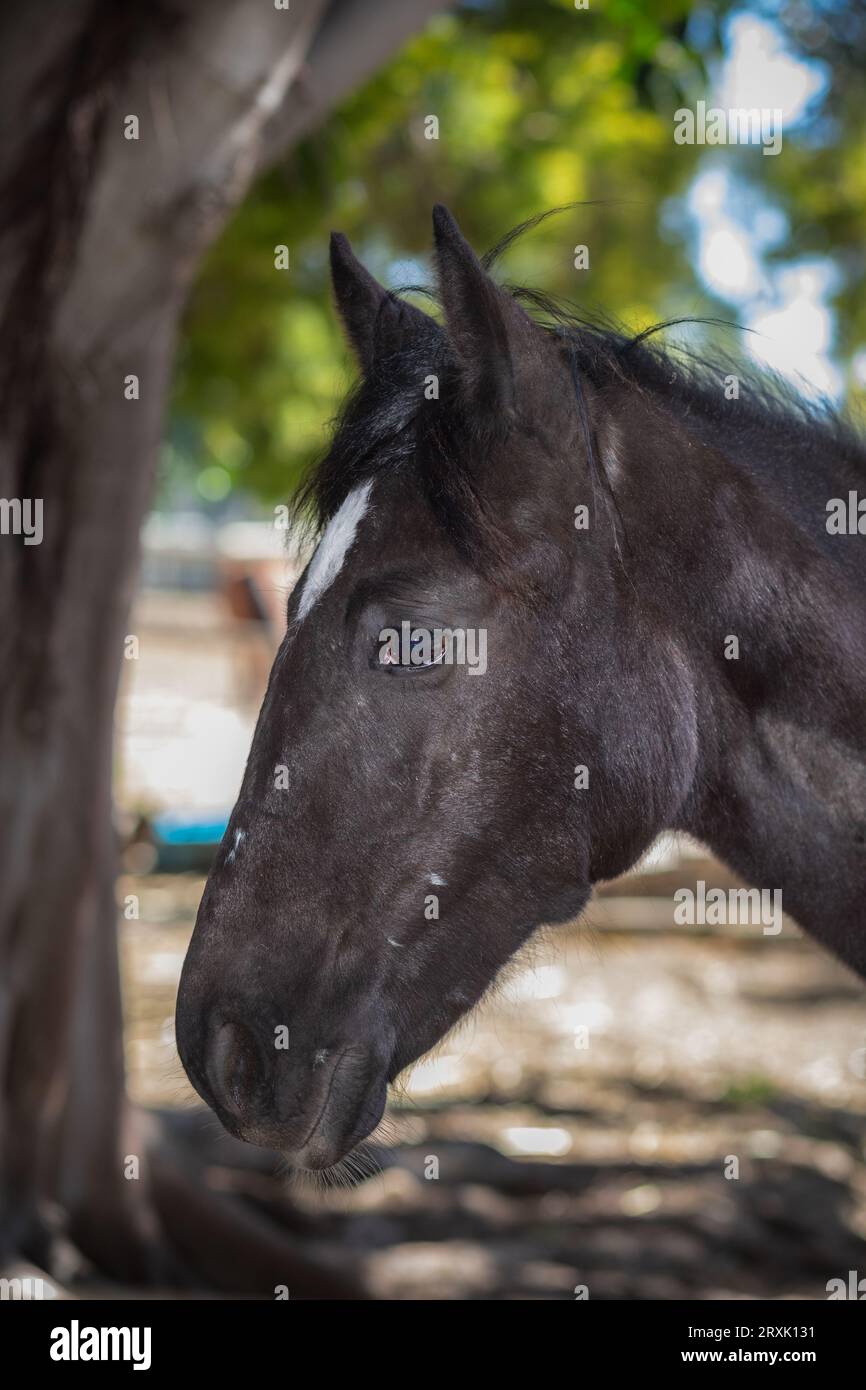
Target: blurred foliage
752	1089
538	104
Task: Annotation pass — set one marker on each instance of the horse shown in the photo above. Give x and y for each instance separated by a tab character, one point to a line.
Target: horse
674	639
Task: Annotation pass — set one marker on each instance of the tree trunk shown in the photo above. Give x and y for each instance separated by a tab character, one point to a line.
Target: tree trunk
100	236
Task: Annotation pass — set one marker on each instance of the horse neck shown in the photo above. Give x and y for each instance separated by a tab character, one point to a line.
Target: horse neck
780	786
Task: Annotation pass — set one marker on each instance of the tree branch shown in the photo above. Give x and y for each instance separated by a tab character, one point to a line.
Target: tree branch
350	46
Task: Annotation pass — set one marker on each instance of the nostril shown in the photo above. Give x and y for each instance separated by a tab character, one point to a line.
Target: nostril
234	1065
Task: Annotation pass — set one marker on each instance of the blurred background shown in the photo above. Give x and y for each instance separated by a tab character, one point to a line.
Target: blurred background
558	1164
642	1110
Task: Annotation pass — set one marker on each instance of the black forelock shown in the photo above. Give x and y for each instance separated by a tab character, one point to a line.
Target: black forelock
393	420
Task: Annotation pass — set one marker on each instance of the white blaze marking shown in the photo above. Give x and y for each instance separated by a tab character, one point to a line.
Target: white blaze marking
333	547
240	836
437	881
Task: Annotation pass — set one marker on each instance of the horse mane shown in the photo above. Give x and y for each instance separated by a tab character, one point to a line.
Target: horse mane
382	425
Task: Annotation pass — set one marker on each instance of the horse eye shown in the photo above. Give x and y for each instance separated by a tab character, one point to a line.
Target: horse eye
405	657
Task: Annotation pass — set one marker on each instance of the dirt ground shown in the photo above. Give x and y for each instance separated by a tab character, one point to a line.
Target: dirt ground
639	1112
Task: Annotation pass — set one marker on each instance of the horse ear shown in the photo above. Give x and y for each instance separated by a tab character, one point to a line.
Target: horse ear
377	322
487	328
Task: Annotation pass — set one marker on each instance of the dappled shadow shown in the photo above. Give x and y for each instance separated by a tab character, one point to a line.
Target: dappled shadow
459	1219
642	1115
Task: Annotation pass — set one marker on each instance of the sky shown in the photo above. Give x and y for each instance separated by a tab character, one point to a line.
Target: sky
734	227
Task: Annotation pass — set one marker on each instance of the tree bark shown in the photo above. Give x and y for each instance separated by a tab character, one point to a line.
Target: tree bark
100	237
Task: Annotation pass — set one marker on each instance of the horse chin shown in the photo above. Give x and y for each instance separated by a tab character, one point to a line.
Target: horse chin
331	1142
324	1161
